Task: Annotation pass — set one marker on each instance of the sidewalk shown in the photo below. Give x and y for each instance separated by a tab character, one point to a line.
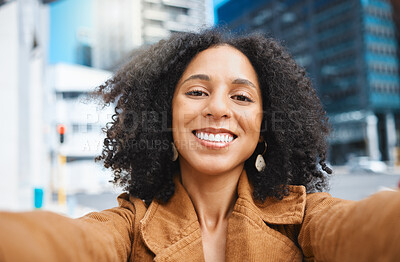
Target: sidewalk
343	170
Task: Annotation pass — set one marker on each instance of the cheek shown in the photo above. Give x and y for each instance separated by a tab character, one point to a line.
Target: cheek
258	120
175	118
251	122
178	109
257	115
182	115
177	125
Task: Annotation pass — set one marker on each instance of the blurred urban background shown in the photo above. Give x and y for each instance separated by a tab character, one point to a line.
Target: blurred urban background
53	53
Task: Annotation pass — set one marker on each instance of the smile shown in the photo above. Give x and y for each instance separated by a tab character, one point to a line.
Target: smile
220	137
214	138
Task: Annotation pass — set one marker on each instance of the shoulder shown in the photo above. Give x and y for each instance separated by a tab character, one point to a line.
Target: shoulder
137	206
321	200
295	207
126	213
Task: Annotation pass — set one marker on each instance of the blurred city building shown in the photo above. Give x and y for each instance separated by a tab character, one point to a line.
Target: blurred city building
396	17
350	51
70	80
81	138
102	33
135	23
23	48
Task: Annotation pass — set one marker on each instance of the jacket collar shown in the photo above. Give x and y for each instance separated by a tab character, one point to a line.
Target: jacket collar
289	210
172	226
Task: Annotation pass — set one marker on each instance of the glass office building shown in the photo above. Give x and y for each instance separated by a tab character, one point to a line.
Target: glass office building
350	50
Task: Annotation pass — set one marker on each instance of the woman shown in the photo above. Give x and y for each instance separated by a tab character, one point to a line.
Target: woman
221	144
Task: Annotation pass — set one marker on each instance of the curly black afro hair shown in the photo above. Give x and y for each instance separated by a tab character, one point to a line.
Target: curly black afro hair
137	146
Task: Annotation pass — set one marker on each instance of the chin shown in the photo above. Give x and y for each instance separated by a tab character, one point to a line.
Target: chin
213	169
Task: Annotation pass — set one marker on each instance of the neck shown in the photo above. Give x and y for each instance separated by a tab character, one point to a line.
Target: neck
213	196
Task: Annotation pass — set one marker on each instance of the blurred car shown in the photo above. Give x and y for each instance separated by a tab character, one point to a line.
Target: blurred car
363	163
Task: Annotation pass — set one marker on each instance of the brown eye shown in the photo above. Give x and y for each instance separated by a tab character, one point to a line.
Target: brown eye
196	93
242	98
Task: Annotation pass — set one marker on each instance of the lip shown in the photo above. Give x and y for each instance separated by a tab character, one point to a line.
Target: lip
214	145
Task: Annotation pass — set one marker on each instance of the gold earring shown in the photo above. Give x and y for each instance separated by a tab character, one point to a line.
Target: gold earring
174	152
260	162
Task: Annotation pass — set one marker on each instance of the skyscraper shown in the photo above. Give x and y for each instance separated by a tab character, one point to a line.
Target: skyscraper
99	33
123	25
350	50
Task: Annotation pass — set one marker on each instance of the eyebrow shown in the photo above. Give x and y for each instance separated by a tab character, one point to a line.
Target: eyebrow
242	81
198	76
237	81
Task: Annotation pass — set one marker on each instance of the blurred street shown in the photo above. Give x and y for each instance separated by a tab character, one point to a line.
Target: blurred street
358	185
98	201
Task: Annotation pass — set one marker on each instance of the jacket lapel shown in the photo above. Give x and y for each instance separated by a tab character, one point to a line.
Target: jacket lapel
171	230
289	210
250	238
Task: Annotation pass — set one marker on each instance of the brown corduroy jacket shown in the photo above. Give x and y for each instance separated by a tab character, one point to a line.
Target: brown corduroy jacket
310	227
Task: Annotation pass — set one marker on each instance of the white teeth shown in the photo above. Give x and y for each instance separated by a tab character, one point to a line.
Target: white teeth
214	137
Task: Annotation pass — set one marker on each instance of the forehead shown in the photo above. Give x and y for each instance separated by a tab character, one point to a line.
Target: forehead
223	59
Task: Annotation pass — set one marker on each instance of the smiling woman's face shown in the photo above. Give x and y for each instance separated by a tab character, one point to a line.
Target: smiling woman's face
217	111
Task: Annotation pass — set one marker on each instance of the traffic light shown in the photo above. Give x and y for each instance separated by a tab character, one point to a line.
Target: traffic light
61	132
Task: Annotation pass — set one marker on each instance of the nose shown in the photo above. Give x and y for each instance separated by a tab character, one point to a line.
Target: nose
218	105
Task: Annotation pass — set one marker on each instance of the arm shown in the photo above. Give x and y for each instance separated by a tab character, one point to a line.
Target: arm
45	236
340	230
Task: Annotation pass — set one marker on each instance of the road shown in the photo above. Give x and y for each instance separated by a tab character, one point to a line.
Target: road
352	186
357	186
